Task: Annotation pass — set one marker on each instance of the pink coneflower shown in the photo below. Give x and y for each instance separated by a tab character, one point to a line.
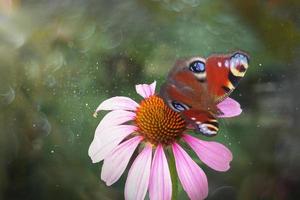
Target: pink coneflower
153	126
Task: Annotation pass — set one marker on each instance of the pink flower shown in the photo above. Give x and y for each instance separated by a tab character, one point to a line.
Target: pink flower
153	126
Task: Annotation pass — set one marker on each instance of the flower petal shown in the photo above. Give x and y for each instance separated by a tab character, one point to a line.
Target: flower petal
138	176
115	117
229	107
160	186
191	176
115	164
213	154
118	103
145	90
152	87
107	140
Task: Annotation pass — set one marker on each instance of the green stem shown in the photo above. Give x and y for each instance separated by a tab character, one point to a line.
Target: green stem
173	175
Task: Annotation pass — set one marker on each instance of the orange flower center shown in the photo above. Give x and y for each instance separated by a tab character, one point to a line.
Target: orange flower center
157	122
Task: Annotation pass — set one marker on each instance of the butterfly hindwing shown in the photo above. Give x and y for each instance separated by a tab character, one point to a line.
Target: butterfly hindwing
203	122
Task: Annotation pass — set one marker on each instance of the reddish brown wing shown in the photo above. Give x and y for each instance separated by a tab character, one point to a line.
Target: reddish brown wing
224	73
184	87
203	122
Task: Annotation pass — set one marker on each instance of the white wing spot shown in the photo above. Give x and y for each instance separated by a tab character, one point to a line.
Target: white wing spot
227	63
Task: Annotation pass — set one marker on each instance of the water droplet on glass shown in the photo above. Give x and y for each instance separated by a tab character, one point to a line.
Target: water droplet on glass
42	124
7	95
87	32
50	81
71	136
223	192
55	61
115	39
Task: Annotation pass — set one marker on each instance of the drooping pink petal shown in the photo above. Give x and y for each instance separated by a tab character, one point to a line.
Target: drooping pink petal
114	118
213	154
229	107
107	140
145	90
191	176
118	103
160	186
138	176
115	164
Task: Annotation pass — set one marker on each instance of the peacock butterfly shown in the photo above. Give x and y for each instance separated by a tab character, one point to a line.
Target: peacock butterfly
196	85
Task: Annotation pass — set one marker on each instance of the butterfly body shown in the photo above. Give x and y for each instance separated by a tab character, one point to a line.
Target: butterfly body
196	85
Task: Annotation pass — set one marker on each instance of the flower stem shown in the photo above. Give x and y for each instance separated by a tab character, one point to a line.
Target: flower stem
173	175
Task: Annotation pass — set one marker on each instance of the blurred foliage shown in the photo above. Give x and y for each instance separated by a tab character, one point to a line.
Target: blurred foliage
60	59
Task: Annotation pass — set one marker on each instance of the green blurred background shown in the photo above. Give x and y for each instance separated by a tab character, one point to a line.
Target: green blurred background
59	59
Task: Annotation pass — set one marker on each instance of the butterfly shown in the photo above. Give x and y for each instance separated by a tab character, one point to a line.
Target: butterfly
196	85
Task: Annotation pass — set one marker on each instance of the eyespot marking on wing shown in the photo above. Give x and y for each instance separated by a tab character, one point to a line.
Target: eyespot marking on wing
198	67
239	64
177	106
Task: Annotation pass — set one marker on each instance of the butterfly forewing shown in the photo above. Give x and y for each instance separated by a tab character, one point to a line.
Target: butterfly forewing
224	73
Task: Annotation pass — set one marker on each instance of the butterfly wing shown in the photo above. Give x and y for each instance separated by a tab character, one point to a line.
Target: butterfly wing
203	122
224	73
187	88
194	87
